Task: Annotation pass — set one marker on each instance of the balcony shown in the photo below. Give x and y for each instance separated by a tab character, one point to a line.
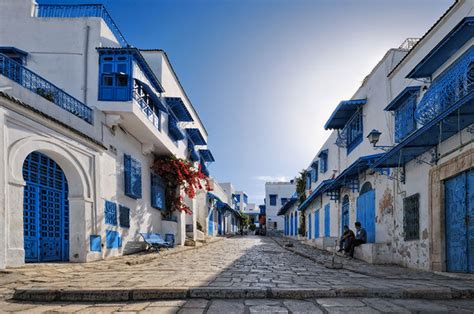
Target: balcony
38	85
77	11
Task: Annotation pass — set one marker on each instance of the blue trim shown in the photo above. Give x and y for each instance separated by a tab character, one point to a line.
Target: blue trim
343	113
457	37
138	57
95	243
404	94
319	190
179	109
113	239
196	136
81	10
193	154
206	155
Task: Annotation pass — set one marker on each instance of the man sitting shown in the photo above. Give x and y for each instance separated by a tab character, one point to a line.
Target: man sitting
360	238
346	239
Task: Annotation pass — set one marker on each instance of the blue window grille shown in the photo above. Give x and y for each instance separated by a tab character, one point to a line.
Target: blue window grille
113	240
354	131
115	77
133	177
314	171
35	83
447	89
158	195
405	119
323	161
124	217
273	199
95	243
110	213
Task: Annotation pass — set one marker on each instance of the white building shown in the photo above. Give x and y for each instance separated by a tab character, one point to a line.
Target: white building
83	115
403	160
276	195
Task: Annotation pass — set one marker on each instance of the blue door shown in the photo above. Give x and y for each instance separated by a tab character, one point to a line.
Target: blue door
291	224
366	213
327	221
45	210
309	226
210	224
316	224
459	212
219	223
296	223
345	213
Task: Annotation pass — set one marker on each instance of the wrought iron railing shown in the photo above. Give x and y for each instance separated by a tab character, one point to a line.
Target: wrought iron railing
351	134
446	90
32	81
82	10
147	110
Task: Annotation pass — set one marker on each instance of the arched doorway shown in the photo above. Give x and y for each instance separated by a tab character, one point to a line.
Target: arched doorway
366	210
45	210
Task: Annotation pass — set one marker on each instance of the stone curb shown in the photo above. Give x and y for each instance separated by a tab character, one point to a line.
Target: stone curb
146	294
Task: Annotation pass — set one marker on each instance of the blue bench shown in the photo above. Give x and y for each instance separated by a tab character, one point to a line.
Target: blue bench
155	241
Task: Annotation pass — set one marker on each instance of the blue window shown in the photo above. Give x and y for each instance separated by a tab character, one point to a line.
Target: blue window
405	119
354	131
308	180
110	213
237	197
112	239
246	199
124	217
95	243
158	196
323	161
284	200
273	199
115	77
314	171
133	177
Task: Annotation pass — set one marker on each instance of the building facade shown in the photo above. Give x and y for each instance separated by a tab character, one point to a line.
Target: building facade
276	195
83	116
400	157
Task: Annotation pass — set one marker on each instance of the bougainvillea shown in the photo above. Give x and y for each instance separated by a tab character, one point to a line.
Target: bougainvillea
179	175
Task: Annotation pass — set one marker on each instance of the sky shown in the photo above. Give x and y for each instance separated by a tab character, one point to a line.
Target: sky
265	75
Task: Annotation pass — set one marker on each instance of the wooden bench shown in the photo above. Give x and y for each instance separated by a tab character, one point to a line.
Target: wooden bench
155	241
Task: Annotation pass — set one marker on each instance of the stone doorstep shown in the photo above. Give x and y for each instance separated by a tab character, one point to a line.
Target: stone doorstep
159	293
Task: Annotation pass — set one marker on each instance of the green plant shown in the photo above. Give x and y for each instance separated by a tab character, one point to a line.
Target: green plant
245	220
252	227
301	186
45	94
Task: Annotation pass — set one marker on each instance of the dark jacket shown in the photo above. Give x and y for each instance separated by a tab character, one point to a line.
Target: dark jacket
361	235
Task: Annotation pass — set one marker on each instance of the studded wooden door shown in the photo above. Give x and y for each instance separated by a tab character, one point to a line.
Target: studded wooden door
45	210
459	212
366	213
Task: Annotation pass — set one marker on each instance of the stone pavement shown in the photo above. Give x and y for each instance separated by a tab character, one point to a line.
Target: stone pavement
238	268
245	306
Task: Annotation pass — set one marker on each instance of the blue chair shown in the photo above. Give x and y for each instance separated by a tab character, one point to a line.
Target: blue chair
155	241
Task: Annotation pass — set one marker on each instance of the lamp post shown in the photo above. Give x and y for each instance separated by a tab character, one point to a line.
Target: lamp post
374	137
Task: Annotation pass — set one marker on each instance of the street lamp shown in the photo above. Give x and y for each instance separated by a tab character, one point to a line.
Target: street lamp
374	137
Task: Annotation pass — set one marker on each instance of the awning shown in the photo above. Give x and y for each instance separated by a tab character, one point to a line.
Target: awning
452	120
318	191
179	109
399	100
154	98
447	47
206	155
173	129
193	154
350	176
287	206
196	136
343	113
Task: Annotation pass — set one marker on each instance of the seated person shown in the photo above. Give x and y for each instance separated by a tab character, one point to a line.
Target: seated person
346	239
360	238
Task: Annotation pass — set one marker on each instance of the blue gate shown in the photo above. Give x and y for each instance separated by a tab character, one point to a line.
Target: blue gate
309	225
366	213
345	213
210	224
45	210
459	212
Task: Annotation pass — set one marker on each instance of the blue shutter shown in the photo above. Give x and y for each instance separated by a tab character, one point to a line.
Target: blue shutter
158	198
327	221
132	177
309	225
110	213
308	180
124	217
106	78
316	224
314	171
112	239
405	119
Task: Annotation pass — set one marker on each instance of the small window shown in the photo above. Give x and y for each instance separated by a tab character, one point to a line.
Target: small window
122	80
314	171
132	177
124	217
158	199
110	213
411	217
354	131
308	180
273	199
107	80
107	68
323	161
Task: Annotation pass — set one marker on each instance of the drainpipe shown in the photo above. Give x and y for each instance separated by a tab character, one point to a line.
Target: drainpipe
86	55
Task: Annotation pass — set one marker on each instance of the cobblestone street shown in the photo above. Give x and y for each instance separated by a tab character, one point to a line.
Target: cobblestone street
233	268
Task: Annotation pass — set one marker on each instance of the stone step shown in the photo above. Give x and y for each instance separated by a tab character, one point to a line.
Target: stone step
158	293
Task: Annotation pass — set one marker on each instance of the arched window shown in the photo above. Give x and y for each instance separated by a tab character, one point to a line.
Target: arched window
366	187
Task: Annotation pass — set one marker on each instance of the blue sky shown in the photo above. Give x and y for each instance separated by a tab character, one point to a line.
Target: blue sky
265	75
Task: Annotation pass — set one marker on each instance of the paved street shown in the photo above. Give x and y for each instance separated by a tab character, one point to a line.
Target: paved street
234	268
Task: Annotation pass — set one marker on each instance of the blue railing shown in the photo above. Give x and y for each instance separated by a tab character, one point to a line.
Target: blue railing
32	81
146	109
446	90
82	10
